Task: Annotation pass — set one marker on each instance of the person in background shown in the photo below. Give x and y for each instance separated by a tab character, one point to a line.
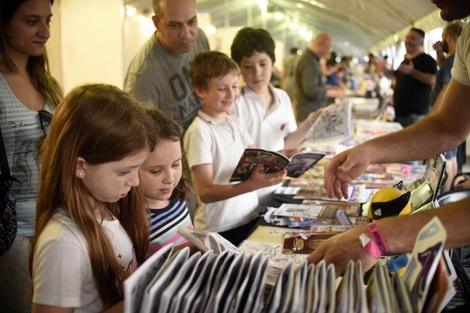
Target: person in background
414	81
265	111
91	226
334	75
165	182
371	66
288	73
311	90
348	79
328	64
159	72
214	143
28	97
449	42
433	135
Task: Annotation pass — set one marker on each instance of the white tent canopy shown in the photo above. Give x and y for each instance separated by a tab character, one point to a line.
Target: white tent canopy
357	26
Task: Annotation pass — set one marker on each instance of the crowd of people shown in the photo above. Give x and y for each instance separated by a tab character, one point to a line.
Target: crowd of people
104	176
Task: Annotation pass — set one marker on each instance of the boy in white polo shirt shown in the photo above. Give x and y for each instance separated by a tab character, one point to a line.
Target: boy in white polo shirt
265	111
214	143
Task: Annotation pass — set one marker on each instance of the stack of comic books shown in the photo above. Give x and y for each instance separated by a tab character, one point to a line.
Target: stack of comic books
224	278
317	216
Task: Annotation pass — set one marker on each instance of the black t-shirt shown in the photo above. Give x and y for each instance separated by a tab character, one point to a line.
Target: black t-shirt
411	96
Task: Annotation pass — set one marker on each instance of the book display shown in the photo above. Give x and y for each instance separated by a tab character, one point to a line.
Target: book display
317	216
231	280
268	271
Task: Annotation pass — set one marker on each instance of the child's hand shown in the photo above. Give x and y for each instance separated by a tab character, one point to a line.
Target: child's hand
259	179
312	117
289	152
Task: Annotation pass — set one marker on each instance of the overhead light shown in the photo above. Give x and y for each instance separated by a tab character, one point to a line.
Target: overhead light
317	4
293	26
308	37
130	10
347	44
211	30
263	4
278	16
299	6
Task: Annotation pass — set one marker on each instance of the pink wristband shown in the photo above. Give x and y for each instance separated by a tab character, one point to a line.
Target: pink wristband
376	245
370	246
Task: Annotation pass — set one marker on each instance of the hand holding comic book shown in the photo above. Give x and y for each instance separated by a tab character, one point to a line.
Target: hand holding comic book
273	162
333	125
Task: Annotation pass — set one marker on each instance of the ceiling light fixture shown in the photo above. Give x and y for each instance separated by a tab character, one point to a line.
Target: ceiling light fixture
130	10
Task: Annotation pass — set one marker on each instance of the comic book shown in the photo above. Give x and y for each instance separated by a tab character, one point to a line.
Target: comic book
273	162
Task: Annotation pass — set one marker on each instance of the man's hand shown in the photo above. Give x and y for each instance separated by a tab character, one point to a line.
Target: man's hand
343	169
407	68
340	249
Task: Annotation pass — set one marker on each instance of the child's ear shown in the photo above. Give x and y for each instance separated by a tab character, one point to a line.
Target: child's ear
80	167
199	92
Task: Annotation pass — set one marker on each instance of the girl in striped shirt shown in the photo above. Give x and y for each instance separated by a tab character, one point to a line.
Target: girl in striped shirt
165	181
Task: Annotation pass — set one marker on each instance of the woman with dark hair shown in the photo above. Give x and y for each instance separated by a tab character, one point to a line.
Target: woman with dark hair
28	96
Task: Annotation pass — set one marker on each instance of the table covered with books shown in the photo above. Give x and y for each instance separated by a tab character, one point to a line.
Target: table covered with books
268	271
301	215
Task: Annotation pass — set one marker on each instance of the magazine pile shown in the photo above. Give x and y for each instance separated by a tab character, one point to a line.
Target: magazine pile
317	216
228	280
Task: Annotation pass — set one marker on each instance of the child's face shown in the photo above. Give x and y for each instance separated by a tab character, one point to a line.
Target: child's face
220	95
161	173
109	182
257	70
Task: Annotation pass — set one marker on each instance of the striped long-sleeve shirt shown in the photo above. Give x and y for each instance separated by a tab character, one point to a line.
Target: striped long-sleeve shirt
164	225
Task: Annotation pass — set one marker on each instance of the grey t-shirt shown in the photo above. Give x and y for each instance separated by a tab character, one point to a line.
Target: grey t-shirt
158	76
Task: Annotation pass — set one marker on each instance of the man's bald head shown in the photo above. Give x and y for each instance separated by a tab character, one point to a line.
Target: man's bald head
321	44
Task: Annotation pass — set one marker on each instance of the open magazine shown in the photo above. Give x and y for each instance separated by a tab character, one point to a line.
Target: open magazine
333	125
205	240
273	162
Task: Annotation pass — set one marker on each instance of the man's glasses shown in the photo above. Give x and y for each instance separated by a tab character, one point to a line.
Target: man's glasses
45	118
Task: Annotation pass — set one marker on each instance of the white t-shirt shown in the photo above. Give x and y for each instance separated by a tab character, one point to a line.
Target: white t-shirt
268	128
220	143
62	274
461	69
